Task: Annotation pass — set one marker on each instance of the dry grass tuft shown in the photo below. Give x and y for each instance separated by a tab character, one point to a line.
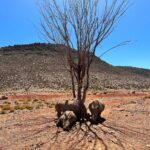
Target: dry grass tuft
10	107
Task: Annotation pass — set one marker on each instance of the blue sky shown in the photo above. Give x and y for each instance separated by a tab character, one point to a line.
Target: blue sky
18	17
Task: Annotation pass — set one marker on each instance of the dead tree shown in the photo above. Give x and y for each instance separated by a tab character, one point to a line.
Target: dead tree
81	26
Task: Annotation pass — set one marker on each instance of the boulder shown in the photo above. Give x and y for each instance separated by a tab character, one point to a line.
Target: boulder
67	120
96	108
76	106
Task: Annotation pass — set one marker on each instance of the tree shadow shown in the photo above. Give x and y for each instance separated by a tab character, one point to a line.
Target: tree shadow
100	121
104	133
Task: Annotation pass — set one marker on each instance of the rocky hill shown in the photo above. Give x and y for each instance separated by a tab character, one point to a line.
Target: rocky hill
43	66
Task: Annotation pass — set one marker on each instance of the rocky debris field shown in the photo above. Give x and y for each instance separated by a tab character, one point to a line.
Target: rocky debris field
44	67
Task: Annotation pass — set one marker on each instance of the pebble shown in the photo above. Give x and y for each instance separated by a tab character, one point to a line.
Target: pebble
148	145
119	109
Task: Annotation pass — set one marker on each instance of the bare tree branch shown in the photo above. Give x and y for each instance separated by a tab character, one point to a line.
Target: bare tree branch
114	47
81	25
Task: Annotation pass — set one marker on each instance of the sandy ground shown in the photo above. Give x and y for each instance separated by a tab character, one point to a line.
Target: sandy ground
126	125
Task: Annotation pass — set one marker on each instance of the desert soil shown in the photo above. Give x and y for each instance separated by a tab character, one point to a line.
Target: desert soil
126	125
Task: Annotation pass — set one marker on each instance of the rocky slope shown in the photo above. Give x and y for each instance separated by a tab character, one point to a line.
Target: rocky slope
43	66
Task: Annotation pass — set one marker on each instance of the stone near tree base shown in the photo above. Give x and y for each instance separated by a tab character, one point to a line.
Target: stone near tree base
69	112
67	120
61	107
78	108
148	145
96	108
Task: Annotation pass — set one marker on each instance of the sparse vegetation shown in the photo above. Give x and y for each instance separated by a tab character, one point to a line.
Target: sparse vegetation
146	97
10	107
50	105
17	107
11	110
103	75
24	106
133	121
35	100
6	107
3	112
29	107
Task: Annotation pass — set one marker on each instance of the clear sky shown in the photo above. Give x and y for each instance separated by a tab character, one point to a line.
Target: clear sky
18	17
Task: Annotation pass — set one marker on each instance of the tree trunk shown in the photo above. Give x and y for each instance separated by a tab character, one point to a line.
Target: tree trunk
79	94
72	81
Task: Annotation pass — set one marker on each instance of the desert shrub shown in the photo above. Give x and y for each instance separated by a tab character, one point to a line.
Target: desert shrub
16	103
6	107
21	100
17	107
27	101
51	105
29	107
11	110
40	101
24	106
38	107
7	102
146	97
3	112
35	100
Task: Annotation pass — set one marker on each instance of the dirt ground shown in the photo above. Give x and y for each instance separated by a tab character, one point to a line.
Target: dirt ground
126	125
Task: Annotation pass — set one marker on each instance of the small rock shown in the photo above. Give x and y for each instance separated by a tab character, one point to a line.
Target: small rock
88	123
119	109
133	92
3	97
133	102
90	140
148	145
111	131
